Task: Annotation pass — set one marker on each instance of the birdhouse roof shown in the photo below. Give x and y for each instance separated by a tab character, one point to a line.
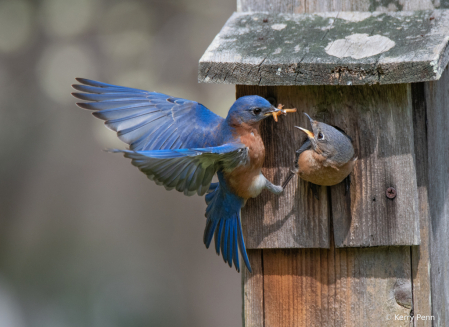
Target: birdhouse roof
333	48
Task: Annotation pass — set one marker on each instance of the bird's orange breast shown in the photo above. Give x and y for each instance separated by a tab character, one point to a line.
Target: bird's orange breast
244	180
314	168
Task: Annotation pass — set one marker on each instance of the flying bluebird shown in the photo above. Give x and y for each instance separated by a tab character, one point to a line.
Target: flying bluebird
181	144
326	157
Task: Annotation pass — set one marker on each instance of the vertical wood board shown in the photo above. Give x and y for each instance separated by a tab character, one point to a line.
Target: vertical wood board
420	255
336	287
379	119
437	101
252	291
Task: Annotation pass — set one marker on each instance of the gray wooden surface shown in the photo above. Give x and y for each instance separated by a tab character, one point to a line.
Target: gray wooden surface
335	48
380	121
309	6
382	130
437	100
420	255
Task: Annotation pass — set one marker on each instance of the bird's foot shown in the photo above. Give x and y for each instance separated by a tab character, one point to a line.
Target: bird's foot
275	189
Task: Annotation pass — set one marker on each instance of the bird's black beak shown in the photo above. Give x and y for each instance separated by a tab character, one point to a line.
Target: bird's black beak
311	120
272	110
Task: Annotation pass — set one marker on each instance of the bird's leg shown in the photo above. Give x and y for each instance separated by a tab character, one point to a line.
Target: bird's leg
314	189
347	184
292	171
276	189
288	179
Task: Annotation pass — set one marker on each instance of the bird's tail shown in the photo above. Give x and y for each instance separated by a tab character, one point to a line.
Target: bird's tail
223	222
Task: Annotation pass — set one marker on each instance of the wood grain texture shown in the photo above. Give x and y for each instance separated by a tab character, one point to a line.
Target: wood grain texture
420	255
296	219
379	120
333	48
437	102
310	6
252	291
336	287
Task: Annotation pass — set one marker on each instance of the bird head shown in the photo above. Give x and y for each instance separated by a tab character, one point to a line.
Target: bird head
328	141
251	110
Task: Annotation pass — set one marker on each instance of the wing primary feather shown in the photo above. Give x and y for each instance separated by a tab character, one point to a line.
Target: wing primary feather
90	82
224	240
109	96
242	248
102	105
218	236
235	247
230	241
103	90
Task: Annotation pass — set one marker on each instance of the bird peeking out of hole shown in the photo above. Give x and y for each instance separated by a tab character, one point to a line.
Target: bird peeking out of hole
325	158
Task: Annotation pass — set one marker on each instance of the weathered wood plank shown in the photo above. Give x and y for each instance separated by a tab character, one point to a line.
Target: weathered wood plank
296	219
380	121
420	255
336	48
437	102
336	287
310	6
252	291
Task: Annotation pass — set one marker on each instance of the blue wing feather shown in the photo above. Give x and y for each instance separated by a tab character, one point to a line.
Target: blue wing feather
188	170
149	120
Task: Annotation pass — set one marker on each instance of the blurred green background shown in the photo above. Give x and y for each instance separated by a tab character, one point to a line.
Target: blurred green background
85	238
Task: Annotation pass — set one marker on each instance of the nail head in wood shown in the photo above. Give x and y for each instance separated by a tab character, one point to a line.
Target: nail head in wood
391	193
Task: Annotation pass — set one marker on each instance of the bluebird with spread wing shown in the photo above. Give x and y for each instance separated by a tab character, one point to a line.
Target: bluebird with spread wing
181	144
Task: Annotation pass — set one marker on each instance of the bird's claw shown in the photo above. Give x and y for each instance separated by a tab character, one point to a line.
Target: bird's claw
281	112
278	190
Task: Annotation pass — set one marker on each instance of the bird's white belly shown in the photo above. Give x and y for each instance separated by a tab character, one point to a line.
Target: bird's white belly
257	185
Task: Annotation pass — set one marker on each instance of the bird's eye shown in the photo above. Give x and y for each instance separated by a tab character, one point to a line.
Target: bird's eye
257	111
320	136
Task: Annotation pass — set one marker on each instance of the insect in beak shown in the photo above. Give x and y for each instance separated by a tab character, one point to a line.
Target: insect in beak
280	111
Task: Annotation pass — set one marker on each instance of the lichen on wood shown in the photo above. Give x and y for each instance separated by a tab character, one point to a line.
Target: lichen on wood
337	48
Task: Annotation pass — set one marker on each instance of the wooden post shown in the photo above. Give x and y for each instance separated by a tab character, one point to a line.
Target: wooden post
360	259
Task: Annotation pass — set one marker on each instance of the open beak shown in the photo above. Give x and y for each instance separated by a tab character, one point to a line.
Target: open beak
309	133
276	112
311	120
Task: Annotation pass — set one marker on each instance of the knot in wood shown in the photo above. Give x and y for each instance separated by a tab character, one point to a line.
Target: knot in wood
403	293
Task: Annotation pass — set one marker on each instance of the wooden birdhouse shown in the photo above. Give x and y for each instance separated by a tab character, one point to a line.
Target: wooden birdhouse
377	255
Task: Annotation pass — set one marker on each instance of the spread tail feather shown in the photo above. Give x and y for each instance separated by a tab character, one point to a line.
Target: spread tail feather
224	224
